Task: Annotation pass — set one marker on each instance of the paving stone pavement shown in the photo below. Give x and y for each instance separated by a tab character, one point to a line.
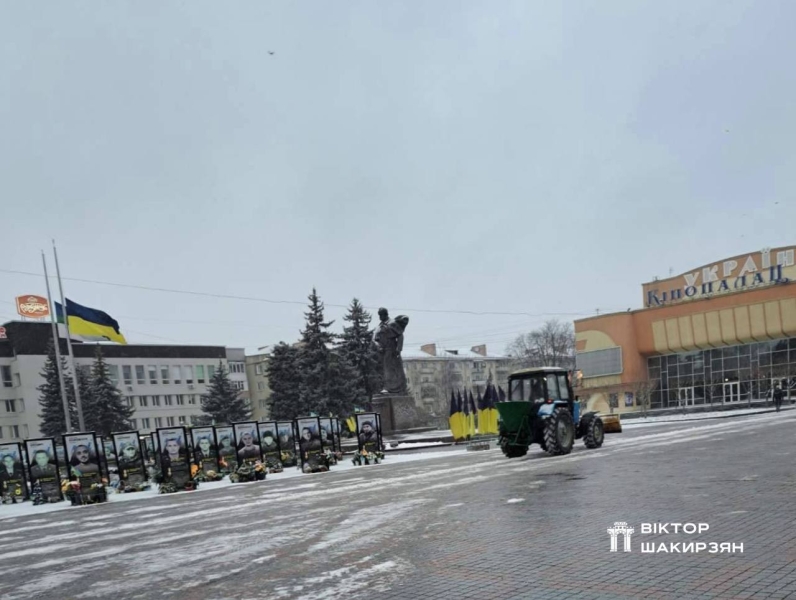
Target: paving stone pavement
475	526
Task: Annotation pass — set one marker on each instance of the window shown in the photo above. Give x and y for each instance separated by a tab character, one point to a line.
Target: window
211	370
167	400
258	369
1	433
628	398
158	421
134	423
143	401
127	374
6	373
113	373
562	386
145	423
613	400
552	388
239	385
155	400
194	419
153	374
139	374
15	431
11	406
128	400
187	373
17	380
191	398
175	374
164	373
170	421
182	420
180	400
260	385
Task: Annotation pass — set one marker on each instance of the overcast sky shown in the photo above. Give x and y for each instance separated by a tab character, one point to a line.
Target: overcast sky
517	157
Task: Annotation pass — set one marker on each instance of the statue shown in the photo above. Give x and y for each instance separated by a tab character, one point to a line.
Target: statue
389	340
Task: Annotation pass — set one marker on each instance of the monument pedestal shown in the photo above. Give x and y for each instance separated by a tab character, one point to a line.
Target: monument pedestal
397	412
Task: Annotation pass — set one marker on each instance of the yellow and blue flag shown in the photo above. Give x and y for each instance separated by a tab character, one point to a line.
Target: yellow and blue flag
89	323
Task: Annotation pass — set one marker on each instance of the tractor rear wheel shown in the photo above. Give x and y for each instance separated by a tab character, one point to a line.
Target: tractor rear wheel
559	432
593	431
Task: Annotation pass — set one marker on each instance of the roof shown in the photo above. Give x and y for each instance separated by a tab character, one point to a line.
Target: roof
535	370
443	354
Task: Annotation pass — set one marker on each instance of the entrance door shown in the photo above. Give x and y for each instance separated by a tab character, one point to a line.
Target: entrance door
685	396
732	392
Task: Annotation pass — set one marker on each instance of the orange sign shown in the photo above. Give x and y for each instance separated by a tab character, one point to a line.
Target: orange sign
33	307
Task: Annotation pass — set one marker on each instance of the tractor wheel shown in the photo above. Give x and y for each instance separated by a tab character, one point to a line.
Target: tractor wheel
593	431
559	432
512	451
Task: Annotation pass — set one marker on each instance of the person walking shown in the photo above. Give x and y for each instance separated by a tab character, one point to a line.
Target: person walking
778	394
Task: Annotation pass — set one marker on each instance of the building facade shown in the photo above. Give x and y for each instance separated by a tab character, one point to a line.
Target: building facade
433	372
723	333
163	384
259	392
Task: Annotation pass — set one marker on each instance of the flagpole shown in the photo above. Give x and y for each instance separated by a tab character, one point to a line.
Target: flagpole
58	370
80	420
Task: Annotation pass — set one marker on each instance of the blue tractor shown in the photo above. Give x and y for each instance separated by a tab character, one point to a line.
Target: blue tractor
541	409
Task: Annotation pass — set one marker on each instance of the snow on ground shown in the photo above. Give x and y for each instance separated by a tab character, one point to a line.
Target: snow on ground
405	445
641	421
11	511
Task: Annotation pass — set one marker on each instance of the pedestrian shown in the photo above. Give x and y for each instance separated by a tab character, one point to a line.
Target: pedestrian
778	394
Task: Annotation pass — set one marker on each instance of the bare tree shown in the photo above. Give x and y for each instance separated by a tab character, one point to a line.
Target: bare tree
643	392
552	345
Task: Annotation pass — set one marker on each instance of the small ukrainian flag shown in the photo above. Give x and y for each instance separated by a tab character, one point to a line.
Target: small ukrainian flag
89	323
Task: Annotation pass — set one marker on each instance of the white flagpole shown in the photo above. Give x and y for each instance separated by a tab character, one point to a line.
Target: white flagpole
81	421
64	398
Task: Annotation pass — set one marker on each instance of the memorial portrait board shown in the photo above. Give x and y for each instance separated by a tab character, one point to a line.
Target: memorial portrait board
43	467
327	434
269	444
83	458
337	434
148	448
205	450
225	440
127	447
247	442
310	446
173	449
12	472
111	458
287	443
368	432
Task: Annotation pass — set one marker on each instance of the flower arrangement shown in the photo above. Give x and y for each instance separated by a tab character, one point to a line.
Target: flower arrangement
363	457
167	487
72	492
246	473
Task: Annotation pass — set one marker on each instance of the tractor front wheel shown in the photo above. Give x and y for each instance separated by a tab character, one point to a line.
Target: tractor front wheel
559	432
593	431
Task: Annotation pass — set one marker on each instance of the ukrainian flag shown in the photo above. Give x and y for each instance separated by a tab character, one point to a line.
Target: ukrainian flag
89	323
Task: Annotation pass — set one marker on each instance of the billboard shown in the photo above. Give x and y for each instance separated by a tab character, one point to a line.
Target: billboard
247	442
287	443
269	444
310	445
225	438
173	448
31	306
12	473
130	457
43	467
205	449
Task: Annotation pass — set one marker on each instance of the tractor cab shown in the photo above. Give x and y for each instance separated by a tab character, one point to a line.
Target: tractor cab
541	409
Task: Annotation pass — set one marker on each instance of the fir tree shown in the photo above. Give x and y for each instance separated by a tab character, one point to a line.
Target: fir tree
327	380
284	380
53	423
223	404
104	409
356	345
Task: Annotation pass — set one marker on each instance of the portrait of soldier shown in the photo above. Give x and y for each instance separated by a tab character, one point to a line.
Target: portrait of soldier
82	461
309	441
269	442
248	449
42	465
368	434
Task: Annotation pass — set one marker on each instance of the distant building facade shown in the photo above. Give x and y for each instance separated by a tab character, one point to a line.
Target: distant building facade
162	383
259	392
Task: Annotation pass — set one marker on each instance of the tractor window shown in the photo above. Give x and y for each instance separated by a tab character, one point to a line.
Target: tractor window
562	385
536	386
515	392
552	387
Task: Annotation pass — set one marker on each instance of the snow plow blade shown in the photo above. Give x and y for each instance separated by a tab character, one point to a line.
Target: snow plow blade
611	423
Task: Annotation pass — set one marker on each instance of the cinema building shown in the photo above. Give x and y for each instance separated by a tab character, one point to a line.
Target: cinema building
721	334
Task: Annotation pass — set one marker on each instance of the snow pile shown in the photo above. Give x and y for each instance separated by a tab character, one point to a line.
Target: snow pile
641	421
